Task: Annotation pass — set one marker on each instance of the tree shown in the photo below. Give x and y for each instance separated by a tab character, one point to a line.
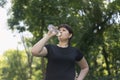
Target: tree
93	20
14	65
2	3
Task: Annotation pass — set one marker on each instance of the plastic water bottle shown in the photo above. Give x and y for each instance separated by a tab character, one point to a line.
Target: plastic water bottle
53	29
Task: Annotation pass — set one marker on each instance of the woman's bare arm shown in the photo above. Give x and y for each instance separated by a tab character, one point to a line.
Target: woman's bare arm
84	69
39	48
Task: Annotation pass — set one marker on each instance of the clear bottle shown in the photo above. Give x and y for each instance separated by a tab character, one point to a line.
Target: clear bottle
54	29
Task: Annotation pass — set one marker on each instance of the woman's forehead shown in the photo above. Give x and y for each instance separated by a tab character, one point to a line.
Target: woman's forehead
62	28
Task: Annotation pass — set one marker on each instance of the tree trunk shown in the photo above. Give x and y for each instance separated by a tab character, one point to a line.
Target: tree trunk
105	54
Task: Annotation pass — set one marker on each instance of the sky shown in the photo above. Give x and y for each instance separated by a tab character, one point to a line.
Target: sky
8	38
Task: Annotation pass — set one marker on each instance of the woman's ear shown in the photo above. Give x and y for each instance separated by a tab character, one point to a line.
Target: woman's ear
70	35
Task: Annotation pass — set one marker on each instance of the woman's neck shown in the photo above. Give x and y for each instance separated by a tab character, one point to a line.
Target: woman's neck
63	44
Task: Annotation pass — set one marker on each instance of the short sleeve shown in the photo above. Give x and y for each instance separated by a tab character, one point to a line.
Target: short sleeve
48	49
79	55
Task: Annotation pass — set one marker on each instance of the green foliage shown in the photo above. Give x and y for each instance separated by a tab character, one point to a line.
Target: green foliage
14	66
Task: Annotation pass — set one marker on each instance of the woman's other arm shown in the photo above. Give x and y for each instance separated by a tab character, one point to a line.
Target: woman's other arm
84	68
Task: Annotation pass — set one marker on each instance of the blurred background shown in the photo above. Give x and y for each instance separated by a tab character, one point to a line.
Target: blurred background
96	26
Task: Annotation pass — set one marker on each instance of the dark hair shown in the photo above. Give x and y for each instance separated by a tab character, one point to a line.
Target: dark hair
68	28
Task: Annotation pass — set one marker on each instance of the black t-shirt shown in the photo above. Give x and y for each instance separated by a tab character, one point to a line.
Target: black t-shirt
61	62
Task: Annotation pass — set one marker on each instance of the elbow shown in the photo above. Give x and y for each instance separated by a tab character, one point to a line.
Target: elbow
34	52
87	69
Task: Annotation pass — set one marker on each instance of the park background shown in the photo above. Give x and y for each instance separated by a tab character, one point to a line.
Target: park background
96	26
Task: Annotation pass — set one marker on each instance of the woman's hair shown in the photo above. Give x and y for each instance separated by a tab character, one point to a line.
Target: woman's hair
68	28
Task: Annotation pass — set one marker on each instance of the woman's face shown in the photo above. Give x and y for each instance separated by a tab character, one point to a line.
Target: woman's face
65	35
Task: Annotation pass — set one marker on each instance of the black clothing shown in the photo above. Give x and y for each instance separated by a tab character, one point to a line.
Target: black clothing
61	62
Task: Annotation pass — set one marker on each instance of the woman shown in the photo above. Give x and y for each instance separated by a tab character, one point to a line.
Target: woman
61	57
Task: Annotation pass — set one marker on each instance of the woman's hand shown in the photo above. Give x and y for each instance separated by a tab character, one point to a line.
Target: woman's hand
51	33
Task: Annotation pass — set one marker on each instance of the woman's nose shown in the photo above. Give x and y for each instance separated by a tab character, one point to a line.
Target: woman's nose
60	31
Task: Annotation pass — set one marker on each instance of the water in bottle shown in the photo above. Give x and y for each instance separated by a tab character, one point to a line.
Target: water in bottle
53	29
